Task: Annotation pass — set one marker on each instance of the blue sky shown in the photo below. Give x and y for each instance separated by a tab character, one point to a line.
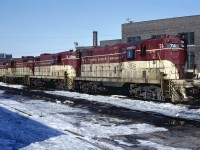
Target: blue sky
32	27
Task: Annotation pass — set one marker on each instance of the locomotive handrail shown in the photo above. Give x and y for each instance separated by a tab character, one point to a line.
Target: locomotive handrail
160	60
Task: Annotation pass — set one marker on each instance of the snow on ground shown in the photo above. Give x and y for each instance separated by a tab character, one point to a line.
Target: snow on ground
157	146
11	85
36	124
167	109
44	125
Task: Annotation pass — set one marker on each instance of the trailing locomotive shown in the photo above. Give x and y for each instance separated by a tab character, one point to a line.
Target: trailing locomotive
149	69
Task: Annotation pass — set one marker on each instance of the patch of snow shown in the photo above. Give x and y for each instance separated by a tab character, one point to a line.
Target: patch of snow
62	142
158	146
124	143
11	85
1	92
37	124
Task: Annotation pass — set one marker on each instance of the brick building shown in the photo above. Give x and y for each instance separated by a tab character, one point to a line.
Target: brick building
4	57
188	26
110	42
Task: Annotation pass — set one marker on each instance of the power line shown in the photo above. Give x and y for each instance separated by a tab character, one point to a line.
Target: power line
43	51
53	37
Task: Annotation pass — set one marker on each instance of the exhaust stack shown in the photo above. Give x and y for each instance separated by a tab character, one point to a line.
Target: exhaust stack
95	42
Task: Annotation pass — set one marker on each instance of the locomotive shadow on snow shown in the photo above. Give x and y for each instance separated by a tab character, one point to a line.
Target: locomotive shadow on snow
133	115
17	131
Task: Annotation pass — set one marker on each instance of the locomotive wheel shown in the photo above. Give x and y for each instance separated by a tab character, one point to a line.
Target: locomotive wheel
84	88
148	92
59	84
89	87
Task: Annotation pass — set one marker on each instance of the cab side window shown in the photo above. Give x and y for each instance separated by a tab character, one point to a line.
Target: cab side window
143	50
59	59
52	60
130	54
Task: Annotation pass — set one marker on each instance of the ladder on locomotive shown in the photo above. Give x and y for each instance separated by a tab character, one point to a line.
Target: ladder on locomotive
162	81
170	91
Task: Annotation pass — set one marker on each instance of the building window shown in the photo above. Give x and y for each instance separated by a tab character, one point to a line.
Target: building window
87	53
156	36
133	39
191	60
189	36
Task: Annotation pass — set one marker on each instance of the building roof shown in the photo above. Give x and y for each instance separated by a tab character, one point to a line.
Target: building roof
193	17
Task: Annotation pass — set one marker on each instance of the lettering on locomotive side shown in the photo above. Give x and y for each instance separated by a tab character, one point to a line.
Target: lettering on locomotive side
105	59
93	60
42	62
114	57
131	66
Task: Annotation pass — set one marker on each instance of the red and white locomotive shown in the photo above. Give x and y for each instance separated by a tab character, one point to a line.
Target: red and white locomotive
58	69
149	69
